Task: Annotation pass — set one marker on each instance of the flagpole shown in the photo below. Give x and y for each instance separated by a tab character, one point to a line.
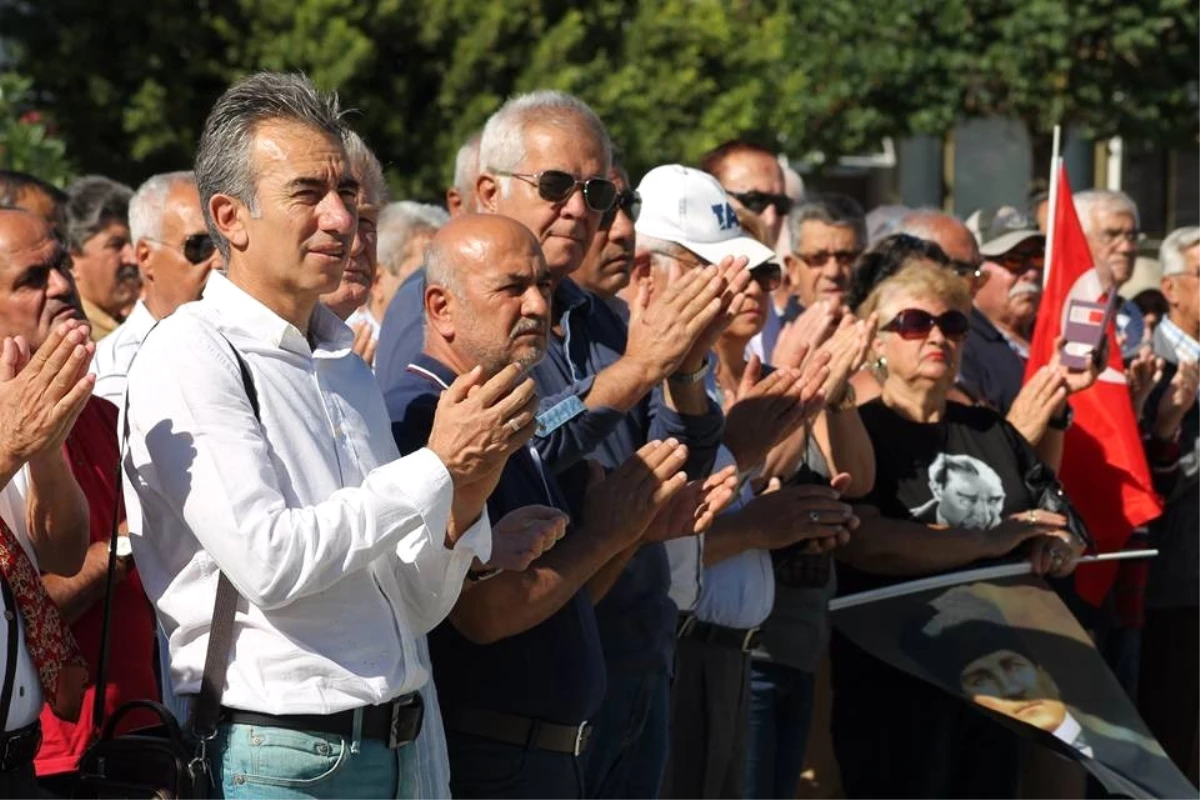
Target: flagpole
969	576
1052	213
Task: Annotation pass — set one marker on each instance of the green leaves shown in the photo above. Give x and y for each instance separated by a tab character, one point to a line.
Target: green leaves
27	141
130	82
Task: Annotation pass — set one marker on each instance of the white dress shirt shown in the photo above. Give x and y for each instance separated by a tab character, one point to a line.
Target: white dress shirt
115	353
737	592
335	543
27	688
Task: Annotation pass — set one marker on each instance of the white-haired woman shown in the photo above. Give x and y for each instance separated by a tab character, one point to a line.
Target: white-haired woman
951	489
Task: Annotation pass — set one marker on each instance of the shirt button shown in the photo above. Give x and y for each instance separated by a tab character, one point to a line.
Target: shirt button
239	779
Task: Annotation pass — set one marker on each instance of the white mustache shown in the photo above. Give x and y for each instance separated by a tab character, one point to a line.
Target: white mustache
1025	287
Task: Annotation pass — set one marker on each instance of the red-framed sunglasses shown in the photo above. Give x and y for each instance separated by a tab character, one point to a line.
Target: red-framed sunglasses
916	323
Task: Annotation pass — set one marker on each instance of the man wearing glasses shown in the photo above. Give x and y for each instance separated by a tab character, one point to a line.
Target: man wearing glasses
608	263
1005	307
174	253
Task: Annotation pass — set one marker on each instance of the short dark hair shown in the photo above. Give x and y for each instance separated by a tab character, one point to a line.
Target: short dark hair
714	160
223	164
885	259
13	184
831	209
93	203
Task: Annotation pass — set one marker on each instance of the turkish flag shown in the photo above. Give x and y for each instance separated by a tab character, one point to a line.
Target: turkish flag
1104	466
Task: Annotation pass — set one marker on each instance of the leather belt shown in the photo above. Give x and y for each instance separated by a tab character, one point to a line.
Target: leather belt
744	639
520	731
17	748
396	723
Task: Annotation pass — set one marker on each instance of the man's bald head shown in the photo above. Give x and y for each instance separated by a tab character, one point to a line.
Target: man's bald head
487	296
36	288
945	231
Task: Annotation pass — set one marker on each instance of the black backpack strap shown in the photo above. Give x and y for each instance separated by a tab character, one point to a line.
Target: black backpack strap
10	661
206	710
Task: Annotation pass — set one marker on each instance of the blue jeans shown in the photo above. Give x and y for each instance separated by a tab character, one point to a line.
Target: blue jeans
781	706
627	752
250	761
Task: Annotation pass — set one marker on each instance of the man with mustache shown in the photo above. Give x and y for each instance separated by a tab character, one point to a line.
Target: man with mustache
1005	307
519	664
106	270
175	253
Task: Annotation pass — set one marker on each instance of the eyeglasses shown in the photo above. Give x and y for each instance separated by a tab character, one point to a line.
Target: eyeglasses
966	269
915	323
769	276
757	202
556	186
1019	261
697	263
628	201
844	258
197	248
1111	235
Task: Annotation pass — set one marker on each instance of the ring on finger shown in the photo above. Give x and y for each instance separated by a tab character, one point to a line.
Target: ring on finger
814	516
513	424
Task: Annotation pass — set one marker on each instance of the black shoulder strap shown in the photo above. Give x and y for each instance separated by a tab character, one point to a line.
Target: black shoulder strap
206	710
207	707
10	660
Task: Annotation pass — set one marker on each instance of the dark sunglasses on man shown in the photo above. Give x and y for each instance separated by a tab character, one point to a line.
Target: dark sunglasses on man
196	248
757	202
820	258
1020	260
768	275
556	186
629	202
916	323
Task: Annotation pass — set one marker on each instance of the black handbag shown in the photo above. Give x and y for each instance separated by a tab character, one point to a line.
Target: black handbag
165	760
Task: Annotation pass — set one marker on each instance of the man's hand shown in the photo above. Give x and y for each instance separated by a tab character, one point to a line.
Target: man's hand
1143	372
805	334
796	513
523	535
847	348
477	427
623	504
767	411
42	396
1179	396
364	342
662	331
1077	379
1038	401
737	277
692	511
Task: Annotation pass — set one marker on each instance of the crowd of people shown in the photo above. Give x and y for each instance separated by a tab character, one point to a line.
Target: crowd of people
556	481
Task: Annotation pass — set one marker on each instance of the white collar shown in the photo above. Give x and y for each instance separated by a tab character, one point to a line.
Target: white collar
240	310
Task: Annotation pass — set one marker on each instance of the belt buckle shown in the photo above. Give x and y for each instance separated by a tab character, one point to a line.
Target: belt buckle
746	639
398	737
582	734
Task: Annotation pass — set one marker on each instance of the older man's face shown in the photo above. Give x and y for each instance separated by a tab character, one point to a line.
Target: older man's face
361	269
565	230
175	279
608	263
36	288
1011	684
107	270
748	172
970	501
1112	237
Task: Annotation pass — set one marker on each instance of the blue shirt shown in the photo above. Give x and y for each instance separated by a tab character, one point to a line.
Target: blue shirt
401	335
555	670
991	370
637	618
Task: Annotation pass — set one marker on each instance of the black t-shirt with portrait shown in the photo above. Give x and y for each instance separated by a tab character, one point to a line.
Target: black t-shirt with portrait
965	471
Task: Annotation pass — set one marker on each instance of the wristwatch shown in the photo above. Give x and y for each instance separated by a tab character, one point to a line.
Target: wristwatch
1063	421
692	378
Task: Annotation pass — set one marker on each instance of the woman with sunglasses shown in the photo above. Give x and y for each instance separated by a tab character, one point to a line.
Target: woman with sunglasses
950	492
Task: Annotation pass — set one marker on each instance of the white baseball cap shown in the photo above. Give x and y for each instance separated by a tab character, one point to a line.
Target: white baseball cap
688	207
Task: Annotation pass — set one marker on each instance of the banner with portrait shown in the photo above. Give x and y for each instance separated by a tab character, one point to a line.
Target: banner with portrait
1011	647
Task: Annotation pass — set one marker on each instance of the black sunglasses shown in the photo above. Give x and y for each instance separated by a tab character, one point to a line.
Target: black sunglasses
914	323
757	202
768	275
197	248
556	186
628	201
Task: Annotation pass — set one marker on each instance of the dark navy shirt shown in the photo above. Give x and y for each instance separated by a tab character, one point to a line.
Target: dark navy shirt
401	334
554	671
637	618
990	370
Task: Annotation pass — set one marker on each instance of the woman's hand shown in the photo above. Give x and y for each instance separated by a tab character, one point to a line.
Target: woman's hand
1055	554
1013	532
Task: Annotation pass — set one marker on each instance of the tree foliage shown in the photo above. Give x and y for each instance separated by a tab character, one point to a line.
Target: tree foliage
130	82
28	142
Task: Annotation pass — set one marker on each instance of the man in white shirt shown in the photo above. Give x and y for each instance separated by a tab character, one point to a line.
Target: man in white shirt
342	553
175	254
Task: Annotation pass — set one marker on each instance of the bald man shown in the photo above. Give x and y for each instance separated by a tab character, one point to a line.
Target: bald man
519	665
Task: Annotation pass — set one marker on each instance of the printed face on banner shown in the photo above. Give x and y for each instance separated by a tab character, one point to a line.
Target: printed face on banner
967	493
1011	647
